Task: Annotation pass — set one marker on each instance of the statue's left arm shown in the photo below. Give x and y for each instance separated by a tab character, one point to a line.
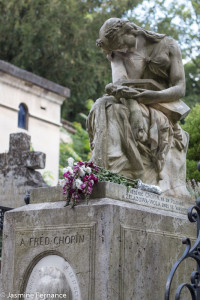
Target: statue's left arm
176	79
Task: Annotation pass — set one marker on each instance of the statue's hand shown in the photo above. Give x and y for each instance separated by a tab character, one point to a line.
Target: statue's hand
110	89
120	91
115	90
128	93
147	97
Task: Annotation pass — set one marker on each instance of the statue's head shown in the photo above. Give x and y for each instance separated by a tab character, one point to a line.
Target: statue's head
119	34
116	34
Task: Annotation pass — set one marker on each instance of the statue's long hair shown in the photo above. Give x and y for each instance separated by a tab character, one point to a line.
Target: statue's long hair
115	26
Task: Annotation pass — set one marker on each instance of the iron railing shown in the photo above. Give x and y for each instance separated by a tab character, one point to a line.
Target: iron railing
190	252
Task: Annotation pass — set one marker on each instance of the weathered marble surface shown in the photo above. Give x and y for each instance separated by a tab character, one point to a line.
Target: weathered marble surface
114	248
133	128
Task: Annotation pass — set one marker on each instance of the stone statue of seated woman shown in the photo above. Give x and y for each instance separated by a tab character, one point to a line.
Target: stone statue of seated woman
134	128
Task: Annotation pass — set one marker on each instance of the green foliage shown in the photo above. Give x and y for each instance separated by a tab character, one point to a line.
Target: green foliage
79	149
66	151
81	142
192	126
192	172
56	39
105	175
192	73
48	177
31	147
193	188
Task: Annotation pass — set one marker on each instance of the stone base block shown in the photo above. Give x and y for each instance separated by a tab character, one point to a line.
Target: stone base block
108	249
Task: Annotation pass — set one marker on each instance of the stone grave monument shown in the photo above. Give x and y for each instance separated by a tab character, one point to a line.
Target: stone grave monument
18	173
122	244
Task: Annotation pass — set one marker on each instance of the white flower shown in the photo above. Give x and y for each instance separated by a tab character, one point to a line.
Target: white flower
70	162
88	170
64	170
81	171
68	169
61	182
78	183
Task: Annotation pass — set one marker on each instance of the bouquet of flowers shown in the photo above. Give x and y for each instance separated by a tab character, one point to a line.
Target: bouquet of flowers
78	181
80	177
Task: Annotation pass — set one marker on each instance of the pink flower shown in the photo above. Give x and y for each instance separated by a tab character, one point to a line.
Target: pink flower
90	164
90	183
85	178
83	186
67	175
89	190
75	168
93	177
71	191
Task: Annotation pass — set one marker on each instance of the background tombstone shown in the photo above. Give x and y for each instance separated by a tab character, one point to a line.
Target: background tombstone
18	170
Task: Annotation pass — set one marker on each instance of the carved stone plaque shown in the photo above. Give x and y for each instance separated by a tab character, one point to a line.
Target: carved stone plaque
156	201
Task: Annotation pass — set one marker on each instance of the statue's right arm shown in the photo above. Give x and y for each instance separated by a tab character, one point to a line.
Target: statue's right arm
119	72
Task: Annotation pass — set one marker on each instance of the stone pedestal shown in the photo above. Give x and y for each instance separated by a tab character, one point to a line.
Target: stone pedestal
119	246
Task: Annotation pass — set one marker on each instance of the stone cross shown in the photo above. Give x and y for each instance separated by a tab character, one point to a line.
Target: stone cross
20	156
18	173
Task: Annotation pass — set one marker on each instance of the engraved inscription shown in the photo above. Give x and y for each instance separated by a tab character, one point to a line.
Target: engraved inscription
56	240
149	199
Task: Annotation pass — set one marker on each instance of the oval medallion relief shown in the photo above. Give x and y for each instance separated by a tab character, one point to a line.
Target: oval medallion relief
52	278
